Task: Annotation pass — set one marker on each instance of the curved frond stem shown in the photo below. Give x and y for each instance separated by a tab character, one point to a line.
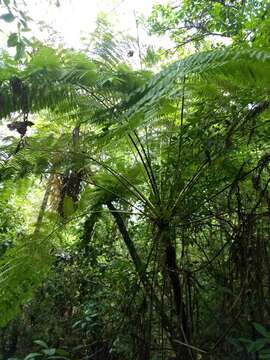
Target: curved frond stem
148	161
10	268
94	96
152	183
116	195
189	184
124	181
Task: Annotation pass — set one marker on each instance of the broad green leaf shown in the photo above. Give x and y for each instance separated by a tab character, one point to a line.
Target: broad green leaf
256	345
12	40
245	341
261	329
76	324
32	356
20	50
41	343
44	57
8	17
49	352
62	352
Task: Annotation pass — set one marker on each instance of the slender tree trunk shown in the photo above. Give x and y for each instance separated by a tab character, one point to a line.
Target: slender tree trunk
172	272
127	240
182	352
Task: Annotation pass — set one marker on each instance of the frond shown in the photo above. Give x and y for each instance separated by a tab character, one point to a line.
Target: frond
243	68
109	187
224	71
22	270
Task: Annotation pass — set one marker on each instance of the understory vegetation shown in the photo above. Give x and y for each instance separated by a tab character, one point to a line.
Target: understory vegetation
134	199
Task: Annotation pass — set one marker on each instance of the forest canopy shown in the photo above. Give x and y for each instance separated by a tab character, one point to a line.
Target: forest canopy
134	186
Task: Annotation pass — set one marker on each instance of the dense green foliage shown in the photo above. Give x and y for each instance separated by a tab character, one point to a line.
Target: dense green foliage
194	21
135	203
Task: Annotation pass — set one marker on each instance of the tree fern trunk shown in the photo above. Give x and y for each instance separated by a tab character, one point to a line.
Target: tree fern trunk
182	352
